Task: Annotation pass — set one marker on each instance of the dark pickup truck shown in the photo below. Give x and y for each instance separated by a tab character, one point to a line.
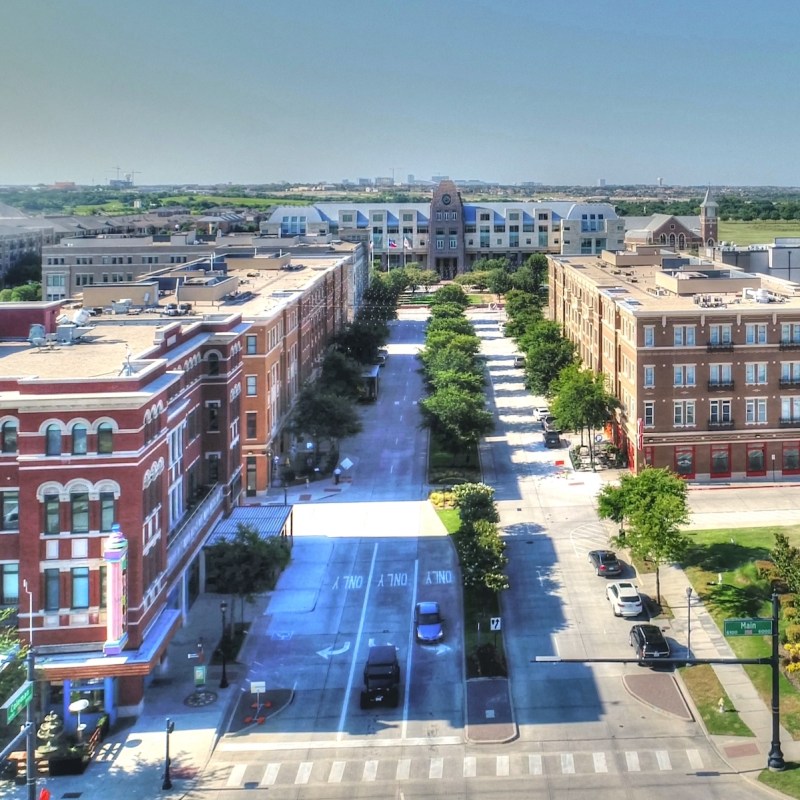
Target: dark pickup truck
381	677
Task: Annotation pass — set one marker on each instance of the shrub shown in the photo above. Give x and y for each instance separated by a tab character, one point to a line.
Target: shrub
765	568
786	600
793	633
475	501
789	613
443	499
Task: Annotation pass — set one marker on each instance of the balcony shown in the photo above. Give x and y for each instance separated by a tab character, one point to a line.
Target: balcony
183	536
789	383
789	346
719	347
720	386
789	422
721	424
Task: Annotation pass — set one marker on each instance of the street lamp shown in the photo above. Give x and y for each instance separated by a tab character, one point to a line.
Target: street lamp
167	782
223	683
689	626
30	611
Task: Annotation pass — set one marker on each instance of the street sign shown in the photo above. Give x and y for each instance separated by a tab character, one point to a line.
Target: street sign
17	701
257	687
748	627
496	623
200	676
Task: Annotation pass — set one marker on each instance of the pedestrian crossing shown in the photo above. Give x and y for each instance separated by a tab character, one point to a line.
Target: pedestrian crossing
439	768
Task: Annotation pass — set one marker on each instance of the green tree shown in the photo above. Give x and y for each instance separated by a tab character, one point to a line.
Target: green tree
475	501
27	293
429	278
451	293
451	325
499	282
481	556
547	352
458	417
361	339
787	562
341	374
611	505
322	415
473	382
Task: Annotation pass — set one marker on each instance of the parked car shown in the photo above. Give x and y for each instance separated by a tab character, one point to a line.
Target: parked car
605	563
428	622
540	412
649	641
550	423
519	361
624	598
381	677
552	439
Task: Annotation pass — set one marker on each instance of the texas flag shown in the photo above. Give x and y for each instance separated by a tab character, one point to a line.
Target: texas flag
392	244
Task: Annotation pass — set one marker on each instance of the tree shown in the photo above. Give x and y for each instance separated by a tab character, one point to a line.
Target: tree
458	417
429	278
451	325
361	339
451	293
341	374
246	565
475	501
611	505
787	562
321	414
547	352
481	555
473	382
499	282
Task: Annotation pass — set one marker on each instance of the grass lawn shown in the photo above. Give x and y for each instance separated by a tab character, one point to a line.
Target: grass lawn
787	782
756	232
450	518
706	690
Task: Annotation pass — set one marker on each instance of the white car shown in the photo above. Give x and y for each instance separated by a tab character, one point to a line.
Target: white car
540	412
624	598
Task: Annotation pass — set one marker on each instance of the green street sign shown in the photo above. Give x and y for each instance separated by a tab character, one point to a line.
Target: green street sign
748	627
17	701
200	676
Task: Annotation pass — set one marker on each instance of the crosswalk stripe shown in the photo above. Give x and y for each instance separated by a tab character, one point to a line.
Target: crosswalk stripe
370	770
304	772
337	772
503	766
403	769
437	768
567	764
470	766
535	764
695	759
662	756
600	764
237	773
270	774
632	759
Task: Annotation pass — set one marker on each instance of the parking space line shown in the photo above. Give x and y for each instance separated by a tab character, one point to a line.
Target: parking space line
535	764
403	769
436	769
567	764
370	770
632	759
406	693
662	756
470	766
695	759
600	764
503	766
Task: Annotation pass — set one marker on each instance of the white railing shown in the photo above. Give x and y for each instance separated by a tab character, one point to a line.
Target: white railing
184	536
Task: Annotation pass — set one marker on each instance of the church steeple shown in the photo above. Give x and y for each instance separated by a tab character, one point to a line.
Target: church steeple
708	220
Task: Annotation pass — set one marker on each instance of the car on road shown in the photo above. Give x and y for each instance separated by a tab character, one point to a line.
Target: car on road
605	563
649	641
540	412
519	361
428	622
624	598
552	439
550	423
381	677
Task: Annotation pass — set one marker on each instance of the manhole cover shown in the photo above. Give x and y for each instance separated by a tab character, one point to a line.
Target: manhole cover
202	698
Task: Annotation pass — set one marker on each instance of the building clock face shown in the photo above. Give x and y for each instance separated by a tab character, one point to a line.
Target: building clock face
446	199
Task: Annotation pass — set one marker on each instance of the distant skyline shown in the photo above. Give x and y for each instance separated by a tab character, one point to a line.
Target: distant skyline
261	91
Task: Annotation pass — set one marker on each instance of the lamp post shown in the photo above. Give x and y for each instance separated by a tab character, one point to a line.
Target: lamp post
223	683
30	611
167	782
689	625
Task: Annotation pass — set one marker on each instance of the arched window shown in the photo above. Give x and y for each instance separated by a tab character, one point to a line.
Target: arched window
213	364
80	440
53	440
9	437
105	438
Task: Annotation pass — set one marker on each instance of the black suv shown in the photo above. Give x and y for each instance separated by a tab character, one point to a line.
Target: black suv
605	563
649	642
381	677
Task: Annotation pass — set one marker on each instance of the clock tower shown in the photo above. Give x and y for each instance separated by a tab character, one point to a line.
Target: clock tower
446	253
708	220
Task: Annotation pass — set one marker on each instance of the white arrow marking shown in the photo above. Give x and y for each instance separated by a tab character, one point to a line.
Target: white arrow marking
329	651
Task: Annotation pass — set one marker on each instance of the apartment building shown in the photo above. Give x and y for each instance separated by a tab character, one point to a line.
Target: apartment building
449	235
704	358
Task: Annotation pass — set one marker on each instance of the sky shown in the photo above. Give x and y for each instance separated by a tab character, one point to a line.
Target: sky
263	91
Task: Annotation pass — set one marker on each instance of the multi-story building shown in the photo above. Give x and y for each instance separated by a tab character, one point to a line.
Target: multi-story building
704	358
449	235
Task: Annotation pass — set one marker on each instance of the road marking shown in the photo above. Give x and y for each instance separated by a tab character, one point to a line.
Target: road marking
662	756
403	769
304	772
535	764
270	774
470	766
695	759
437	768
632	758
407	694
567	764
600	764
331	744
237	773
370	771
337	771
503	766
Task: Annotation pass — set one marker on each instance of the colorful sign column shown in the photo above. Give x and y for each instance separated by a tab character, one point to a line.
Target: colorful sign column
116	557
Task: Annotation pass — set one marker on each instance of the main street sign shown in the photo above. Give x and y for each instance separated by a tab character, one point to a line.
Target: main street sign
748	627
18	701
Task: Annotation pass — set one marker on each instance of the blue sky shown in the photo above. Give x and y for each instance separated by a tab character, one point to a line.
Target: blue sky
256	91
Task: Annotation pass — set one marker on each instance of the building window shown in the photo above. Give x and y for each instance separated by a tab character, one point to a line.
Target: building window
213	467
790	373
105	438
755	410
683	413
80	440
80	587
647	456
251	345
52	590
755	373
791	457
52	513
79	512
684	375
684	461
649	414
755	333
213	419
683	336
250	385
53	440
103	586
9	437
251	418
108	511
649	377
790	333
756	459
213	364
720	412
9	584
720	334
720	461
649	335
10	509
720	375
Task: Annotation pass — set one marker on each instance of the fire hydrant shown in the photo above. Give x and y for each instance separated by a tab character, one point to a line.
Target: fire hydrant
721	705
